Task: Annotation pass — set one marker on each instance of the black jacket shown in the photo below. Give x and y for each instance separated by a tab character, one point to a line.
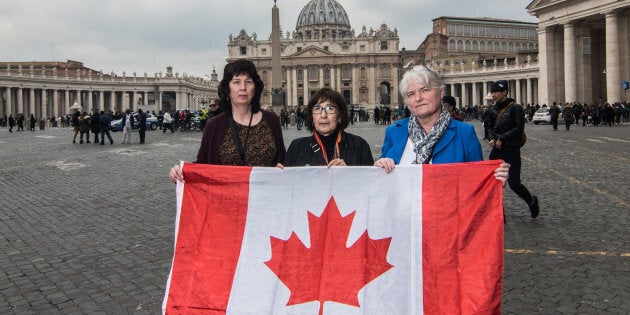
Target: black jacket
354	150
509	127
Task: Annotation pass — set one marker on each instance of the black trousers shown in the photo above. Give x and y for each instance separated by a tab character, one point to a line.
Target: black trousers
141	132
513	157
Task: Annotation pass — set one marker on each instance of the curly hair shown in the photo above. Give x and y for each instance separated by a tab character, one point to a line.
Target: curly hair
327	94
235	68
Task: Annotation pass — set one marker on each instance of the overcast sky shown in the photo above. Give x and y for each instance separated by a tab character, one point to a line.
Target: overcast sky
191	35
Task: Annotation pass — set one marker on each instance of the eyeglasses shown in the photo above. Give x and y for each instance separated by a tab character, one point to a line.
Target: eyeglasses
317	109
423	92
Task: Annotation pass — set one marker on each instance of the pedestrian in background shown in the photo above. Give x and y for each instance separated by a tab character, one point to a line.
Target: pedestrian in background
567	115
11	123
95	126
127	124
167	123
506	140
142	125
105	121
84	127
75	125
33	123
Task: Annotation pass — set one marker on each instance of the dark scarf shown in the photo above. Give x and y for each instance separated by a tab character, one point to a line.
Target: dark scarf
424	143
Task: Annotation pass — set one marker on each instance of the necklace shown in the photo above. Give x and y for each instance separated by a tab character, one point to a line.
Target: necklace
237	141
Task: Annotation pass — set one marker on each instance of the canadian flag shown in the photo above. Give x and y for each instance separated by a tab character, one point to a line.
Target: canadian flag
344	240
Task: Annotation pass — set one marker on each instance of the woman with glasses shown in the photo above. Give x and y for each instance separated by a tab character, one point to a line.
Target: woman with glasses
326	116
429	135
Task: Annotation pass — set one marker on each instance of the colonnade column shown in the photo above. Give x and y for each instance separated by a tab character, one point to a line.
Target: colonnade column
518	91
355	85
101	101
464	100
20	101
545	43
31	101
475	95
570	67
9	102
44	103
530	91
613	69
55	105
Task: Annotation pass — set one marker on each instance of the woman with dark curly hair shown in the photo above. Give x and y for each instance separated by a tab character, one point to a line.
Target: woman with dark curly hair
243	133
326	116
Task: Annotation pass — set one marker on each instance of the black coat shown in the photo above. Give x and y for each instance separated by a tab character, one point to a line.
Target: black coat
510	126
354	150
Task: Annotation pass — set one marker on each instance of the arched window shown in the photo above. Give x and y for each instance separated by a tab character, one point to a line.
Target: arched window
482	46
467	46
511	47
460	45
451	45
503	47
475	46
490	47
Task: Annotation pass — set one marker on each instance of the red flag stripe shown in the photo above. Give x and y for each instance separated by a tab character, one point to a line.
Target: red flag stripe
460	236
218	233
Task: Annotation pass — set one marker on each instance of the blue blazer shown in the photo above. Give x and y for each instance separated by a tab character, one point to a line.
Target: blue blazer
459	143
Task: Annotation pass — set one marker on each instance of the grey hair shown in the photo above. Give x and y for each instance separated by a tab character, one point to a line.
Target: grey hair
420	74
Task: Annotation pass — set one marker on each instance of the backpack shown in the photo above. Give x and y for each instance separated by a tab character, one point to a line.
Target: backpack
523	136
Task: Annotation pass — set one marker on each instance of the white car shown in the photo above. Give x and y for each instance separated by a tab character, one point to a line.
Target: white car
543	115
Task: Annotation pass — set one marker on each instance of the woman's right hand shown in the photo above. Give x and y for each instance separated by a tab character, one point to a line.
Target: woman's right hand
386	163
176	174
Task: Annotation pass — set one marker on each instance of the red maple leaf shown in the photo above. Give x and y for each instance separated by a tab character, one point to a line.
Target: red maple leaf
328	271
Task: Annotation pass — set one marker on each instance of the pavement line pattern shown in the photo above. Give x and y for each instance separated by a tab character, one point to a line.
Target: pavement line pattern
564	253
577	181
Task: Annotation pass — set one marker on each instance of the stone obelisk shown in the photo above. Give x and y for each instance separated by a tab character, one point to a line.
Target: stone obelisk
277	93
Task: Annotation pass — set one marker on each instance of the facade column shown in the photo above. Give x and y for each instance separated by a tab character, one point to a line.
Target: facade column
332	78
294	93
66	101
339	84
355	85
613	67
288	86
305	95
321	77
570	66
452	89
372	85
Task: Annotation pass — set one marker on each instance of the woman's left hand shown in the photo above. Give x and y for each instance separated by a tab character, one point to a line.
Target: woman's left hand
501	173
337	162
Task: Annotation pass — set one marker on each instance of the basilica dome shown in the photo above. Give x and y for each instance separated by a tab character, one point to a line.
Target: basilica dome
323	15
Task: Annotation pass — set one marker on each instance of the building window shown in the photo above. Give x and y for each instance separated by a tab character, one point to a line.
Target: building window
300	74
243	50
383	45
326	74
475	46
451	45
313	74
345	73
362	47
511	47
460	45
447	62
326	48
467	46
503	47
482	46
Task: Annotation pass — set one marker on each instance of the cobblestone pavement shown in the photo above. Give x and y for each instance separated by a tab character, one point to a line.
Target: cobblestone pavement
88	229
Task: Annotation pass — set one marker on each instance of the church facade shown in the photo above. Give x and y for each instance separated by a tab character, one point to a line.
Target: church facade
324	51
